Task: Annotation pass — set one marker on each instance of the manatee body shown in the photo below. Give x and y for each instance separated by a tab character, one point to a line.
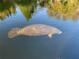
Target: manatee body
34	30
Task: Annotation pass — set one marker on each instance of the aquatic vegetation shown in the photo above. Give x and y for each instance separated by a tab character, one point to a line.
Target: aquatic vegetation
34	30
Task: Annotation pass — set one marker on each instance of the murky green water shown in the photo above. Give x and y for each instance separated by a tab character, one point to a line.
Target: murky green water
64	46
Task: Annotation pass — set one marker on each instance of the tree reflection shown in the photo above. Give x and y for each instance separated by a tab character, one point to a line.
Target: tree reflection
27	8
6	9
66	9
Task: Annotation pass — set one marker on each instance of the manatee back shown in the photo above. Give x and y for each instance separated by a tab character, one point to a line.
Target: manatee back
38	29
56	31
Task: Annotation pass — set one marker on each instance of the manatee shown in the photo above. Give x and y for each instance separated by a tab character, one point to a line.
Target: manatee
34	30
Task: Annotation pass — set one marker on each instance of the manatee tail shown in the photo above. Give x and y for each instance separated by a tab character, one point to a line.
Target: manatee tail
13	33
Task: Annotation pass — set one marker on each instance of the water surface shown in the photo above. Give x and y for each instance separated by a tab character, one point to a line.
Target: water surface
64	46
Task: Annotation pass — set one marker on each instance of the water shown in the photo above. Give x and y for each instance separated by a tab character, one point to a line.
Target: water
64	46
